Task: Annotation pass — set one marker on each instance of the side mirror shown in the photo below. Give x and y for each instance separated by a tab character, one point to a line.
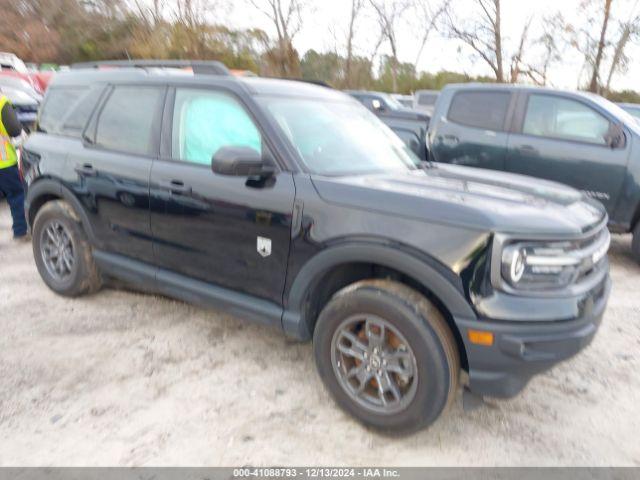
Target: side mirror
377	105
238	161
615	136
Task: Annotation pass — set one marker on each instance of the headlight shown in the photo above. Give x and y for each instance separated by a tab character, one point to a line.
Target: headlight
551	265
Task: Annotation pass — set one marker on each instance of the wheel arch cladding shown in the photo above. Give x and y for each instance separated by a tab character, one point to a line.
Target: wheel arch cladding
46	190
336	267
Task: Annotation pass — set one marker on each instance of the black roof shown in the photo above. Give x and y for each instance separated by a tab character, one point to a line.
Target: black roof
211	67
81	76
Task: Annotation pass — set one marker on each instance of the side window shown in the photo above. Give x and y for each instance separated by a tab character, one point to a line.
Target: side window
556	117
410	139
205	120
428	99
365	100
76	119
126	122
57	106
480	109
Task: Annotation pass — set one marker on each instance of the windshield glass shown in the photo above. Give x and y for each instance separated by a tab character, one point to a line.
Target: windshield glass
339	138
614	109
393	103
635	111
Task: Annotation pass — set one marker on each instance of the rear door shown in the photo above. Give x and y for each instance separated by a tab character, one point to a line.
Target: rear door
112	168
563	139
230	231
473	130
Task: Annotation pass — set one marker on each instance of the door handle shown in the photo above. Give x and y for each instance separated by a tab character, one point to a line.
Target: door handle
86	170
450	140
527	149
176	187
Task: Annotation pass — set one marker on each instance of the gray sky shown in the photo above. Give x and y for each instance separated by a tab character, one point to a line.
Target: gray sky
324	29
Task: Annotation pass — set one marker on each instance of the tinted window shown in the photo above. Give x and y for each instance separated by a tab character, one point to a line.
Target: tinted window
204	121
335	138
486	110
427	99
365	100
633	111
78	115
556	117
57	106
410	139
127	120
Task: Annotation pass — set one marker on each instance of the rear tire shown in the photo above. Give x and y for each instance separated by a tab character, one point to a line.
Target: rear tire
62	252
416	342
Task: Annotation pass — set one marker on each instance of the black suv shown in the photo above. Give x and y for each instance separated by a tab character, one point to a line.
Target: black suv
576	138
291	205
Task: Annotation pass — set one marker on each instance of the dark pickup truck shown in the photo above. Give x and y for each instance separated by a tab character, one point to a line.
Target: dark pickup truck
575	138
292	205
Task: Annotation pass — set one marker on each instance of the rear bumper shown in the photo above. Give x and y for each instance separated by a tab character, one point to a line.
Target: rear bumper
521	350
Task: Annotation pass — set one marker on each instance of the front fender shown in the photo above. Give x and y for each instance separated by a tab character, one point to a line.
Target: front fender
424	270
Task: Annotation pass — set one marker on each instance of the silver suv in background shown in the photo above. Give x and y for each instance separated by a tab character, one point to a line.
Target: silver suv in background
425	100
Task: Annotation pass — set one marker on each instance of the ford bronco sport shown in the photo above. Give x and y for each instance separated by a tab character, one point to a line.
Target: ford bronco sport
292	205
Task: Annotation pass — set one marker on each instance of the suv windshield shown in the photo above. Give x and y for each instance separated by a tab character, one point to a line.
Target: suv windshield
339	138
392	102
613	108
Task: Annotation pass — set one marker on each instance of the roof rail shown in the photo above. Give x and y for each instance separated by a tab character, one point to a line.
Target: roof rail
203	67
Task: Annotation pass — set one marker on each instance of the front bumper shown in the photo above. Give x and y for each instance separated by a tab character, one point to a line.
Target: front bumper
520	350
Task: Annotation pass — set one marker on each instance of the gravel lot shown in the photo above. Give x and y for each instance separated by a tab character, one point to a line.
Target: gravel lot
121	378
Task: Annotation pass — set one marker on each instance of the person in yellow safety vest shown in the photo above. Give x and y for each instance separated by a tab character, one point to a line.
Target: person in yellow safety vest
10	182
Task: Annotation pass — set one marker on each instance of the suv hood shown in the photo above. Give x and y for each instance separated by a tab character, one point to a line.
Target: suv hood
469	197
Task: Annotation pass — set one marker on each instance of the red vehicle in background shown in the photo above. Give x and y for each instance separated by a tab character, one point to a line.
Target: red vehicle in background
11	65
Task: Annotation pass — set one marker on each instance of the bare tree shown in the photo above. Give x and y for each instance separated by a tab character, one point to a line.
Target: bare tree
151	13
286	17
356	8
428	16
604	54
594	84
553	42
25	29
388	14
628	29
517	63
483	34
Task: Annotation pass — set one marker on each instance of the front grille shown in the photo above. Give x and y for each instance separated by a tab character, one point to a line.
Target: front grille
592	254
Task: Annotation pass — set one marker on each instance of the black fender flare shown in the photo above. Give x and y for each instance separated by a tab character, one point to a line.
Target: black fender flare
422	270
48	186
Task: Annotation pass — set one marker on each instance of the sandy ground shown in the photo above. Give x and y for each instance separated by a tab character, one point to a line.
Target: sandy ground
120	378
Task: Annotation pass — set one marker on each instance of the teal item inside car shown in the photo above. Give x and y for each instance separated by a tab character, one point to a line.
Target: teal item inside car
208	121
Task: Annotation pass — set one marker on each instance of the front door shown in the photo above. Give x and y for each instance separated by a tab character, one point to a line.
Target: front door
564	139
474	130
229	231
113	166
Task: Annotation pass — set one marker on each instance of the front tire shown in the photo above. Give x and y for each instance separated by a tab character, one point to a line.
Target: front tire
386	355
635	243
62	252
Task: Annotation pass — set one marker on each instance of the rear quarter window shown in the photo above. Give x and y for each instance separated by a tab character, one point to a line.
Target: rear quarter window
129	119
479	109
66	110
